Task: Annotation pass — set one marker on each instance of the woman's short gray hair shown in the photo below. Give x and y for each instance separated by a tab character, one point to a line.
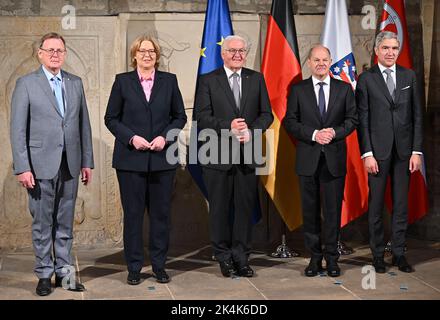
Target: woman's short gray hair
383	35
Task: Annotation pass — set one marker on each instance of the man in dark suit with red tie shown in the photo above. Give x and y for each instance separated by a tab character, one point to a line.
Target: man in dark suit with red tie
233	101
390	139
321	112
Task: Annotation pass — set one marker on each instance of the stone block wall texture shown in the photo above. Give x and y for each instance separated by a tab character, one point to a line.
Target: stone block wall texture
97	50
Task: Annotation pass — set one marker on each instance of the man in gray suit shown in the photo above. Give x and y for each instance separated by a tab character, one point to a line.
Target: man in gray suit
51	145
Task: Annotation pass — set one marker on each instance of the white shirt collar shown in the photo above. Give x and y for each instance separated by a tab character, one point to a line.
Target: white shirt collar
382	68
50	75
316	81
229	72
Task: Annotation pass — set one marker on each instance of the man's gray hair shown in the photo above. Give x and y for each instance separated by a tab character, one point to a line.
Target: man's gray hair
384	35
234	37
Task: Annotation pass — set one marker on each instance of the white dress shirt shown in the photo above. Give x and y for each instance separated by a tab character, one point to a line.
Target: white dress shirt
326	89
384	75
229	73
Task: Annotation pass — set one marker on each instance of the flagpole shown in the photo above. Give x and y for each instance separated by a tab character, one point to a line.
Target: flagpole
281	68
283	251
343	249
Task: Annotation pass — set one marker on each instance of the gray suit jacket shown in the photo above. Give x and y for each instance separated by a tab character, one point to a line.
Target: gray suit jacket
39	133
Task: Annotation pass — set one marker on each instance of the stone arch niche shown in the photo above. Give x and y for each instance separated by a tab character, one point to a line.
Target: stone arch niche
91	56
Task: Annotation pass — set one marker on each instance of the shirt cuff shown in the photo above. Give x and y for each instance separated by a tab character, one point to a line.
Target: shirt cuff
130	142
314	135
367	154
417	152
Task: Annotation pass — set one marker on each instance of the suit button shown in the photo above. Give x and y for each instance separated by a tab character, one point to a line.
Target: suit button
60	145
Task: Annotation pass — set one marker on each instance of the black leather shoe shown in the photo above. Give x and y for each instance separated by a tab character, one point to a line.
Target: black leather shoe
227	268
402	264
333	269
314	267
379	265
161	276
133	278
245	271
76	287
44	287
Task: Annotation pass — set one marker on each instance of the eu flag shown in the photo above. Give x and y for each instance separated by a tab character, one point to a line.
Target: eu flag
217	27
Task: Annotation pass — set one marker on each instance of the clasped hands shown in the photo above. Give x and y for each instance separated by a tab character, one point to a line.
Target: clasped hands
157	144
325	136
240	130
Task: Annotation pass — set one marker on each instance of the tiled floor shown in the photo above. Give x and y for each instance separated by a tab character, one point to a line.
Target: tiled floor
196	277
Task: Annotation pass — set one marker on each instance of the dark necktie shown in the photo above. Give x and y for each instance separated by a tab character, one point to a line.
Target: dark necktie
321	101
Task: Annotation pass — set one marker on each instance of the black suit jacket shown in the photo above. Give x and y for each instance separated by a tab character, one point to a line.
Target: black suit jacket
303	118
215	108
129	113
382	121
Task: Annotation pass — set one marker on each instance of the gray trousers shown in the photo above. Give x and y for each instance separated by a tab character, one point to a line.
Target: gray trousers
52	206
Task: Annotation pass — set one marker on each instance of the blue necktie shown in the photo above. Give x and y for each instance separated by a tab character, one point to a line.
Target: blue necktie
321	102
58	94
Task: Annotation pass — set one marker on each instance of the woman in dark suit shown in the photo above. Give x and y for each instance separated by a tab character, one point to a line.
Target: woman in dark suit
144	105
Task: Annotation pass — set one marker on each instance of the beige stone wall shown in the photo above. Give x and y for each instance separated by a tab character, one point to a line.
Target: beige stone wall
91	55
97	50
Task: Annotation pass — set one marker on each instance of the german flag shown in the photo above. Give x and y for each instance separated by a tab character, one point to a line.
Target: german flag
281	68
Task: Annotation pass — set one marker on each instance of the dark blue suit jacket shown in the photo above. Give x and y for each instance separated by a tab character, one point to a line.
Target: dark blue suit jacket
129	113
303	118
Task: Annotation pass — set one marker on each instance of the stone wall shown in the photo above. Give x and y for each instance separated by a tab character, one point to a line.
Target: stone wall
97	50
92	48
114	7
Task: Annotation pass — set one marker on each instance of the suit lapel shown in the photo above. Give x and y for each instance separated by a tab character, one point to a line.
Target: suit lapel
136	84
158	82
44	84
400	75
378	77
245	87
333	95
224	83
310	92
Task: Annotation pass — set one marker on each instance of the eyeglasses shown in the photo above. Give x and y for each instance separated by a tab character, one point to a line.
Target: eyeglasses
51	52
143	53
232	52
